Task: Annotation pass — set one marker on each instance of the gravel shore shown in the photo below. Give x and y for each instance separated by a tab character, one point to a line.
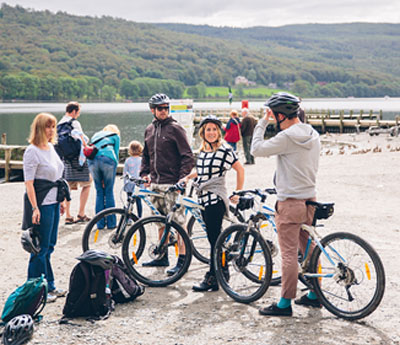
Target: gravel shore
357	172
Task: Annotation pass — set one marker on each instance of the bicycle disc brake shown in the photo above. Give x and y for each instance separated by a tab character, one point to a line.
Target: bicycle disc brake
154	253
113	241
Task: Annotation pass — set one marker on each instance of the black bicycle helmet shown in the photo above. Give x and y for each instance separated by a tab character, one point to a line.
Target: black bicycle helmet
158	99
18	330
30	241
211	118
98	258
284	103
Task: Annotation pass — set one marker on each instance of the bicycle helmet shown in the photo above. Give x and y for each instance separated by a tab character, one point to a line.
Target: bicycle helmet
158	99
98	258
211	118
30	241
283	103
18	330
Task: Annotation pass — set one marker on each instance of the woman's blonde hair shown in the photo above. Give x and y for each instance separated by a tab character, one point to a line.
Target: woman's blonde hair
135	148
204	144
112	128
37	135
234	113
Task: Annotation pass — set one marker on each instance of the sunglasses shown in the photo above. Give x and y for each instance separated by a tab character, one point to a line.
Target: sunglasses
162	108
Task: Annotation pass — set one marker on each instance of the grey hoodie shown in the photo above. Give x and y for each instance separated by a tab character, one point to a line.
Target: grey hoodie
297	149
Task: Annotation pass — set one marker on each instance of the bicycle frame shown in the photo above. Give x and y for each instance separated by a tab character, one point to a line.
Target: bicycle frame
314	236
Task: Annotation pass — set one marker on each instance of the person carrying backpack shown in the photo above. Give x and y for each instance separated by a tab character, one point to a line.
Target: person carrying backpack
103	168
76	174
232	130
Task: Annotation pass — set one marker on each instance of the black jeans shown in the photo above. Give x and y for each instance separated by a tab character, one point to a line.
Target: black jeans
213	216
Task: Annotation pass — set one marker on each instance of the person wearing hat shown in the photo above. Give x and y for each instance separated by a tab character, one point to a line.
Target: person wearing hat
213	161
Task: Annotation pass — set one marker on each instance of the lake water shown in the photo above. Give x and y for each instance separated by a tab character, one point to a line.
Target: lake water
132	118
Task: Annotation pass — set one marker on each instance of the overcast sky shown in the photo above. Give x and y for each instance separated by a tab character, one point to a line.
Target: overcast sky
238	13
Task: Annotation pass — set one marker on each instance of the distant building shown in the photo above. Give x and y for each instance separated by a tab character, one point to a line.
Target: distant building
241	80
288	85
272	85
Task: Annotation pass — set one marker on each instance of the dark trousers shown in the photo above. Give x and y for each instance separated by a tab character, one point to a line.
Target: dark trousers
213	216
246	149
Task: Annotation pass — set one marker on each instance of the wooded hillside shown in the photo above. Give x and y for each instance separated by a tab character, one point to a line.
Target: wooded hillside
47	56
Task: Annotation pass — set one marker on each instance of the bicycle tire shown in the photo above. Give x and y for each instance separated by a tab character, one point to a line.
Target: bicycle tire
232	270
271	237
198	236
155	276
363	272
105	239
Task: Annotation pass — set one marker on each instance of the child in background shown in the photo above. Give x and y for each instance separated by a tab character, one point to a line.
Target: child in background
132	167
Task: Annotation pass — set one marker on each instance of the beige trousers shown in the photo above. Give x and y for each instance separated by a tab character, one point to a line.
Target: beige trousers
290	215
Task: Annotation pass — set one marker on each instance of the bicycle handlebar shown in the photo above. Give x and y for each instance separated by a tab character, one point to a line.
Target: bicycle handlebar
257	191
136	181
181	187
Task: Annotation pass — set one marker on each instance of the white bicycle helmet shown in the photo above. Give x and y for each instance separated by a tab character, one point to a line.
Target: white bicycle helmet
18	330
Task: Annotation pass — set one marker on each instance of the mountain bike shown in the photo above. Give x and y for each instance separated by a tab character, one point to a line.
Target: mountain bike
96	234
160	234
343	270
197	231
242	251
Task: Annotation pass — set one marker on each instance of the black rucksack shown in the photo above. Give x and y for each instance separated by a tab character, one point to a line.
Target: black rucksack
87	294
67	147
123	287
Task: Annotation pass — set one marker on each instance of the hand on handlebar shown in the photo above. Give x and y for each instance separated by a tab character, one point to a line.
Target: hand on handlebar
148	179
234	198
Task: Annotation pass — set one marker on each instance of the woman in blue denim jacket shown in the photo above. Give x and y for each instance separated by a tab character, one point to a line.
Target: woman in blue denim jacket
103	169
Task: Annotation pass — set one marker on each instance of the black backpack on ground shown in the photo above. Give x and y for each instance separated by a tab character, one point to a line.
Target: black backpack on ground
123	287
67	147
87	294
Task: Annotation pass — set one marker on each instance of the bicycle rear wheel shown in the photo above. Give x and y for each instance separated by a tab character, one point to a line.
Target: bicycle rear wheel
356	281
198	235
98	235
156	275
240	254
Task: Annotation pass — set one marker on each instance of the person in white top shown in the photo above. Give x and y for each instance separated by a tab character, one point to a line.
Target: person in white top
41	162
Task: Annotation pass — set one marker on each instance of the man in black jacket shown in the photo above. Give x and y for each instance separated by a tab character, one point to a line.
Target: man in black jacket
167	157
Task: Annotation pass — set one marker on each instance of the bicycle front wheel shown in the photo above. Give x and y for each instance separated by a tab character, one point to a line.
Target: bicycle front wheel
198	235
152	266
239	255
353	284
107	229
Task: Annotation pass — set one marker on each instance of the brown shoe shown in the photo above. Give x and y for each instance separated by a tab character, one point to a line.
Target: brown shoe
82	219
70	220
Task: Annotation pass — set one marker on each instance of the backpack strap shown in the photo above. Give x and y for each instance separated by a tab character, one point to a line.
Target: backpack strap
100	139
44	299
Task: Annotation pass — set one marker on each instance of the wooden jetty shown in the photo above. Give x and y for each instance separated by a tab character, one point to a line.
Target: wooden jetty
322	121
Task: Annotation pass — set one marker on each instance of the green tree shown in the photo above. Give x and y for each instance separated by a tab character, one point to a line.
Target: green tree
108	93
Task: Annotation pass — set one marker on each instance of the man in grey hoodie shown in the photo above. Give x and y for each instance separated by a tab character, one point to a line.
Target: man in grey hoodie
297	147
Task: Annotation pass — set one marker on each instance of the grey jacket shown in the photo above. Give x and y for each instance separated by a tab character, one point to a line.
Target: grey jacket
217	186
297	149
